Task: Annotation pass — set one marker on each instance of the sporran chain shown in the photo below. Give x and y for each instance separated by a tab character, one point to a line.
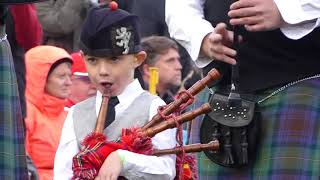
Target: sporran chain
281	88
287	86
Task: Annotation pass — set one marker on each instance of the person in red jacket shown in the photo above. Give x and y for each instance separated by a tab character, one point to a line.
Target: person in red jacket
48	86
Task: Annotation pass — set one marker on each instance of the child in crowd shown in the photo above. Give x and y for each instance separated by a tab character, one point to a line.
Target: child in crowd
110	42
81	88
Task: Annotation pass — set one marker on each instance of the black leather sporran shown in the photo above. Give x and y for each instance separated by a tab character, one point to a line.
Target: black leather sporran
236	128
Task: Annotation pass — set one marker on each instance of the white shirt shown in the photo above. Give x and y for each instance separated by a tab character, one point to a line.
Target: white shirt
187	25
135	166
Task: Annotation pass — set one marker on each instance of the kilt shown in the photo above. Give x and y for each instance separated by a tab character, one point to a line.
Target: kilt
289	140
12	149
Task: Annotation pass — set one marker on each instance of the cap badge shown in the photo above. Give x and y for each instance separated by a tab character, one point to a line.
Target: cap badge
123	38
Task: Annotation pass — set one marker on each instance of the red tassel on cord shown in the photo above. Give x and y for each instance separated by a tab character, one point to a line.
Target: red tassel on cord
187	174
189	167
93	138
135	142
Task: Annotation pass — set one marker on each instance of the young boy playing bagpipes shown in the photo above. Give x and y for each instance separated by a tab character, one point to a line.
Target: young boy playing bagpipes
111	46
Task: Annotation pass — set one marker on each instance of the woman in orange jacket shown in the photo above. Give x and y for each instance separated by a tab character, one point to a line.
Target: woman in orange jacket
48	85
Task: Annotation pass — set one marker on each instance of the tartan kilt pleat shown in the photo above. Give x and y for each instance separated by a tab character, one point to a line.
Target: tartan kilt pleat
289	139
12	148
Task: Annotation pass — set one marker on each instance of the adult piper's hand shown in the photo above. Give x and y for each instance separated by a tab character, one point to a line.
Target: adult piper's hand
256	15
216	45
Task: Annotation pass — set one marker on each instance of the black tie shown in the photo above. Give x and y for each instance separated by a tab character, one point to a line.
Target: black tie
113	101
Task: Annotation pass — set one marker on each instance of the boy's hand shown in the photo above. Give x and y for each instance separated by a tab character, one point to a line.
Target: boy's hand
216	45
110	169
256	15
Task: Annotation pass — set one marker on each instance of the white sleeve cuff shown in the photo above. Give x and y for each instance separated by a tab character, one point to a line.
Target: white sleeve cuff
191	38
125	165
203	28
297	11
298	31
203	62
301	15
186	24
140	165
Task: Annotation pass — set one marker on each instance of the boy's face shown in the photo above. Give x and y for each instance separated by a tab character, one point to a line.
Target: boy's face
113	73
